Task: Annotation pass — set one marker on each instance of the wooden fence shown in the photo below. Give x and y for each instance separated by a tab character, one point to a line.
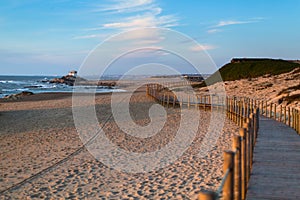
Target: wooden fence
245	113
285	114
234	105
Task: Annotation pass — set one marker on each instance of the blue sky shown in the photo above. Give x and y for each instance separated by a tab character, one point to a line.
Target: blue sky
53	37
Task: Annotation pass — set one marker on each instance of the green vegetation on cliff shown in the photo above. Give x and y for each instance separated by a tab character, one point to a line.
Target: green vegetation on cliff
250	68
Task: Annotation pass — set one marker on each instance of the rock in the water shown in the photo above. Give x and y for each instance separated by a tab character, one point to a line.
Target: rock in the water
33	86
68	80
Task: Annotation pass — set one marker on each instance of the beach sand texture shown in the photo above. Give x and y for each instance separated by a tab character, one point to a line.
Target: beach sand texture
38	131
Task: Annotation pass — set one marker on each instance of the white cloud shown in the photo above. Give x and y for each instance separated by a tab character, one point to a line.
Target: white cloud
126	18
150	51
143	21
232	22
150	15
141	37
211	31
89	36
127	6
130	23
236	22
217	28
202	47
127	15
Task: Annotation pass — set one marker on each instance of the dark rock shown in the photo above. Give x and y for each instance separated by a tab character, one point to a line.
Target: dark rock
68	80
19	95
25	93
109	84
33	86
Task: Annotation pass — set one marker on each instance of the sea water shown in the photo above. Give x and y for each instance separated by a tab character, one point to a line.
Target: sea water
39	84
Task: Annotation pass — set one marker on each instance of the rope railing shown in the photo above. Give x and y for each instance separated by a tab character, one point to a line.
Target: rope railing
245	113
220	188
238	162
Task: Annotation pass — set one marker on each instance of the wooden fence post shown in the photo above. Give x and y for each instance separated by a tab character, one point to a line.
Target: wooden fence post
243	162
207	195
247	138
284	114
293	118
275	113
255	127
280	114
289	116
239	114
298	120
174	100
271	104
257	120
250	132
236	146
228	190
266	109
262	108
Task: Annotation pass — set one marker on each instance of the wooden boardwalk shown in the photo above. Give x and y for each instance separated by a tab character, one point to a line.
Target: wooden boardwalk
276	163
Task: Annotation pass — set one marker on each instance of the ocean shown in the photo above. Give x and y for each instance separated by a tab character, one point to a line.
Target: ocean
38	84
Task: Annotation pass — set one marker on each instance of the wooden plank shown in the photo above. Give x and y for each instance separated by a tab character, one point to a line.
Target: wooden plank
275	173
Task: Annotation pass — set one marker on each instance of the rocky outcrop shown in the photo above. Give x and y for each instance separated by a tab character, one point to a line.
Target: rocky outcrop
109	84
68	80
19	95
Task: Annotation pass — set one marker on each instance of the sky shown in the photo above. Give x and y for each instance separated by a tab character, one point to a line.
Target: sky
39	37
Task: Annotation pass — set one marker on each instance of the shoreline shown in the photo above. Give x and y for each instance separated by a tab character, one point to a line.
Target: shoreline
50	96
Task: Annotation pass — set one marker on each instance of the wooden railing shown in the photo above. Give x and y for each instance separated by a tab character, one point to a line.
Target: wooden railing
158	92
245	113
237	162
285	114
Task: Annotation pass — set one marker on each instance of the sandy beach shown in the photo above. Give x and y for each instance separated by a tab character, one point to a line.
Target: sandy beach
39	141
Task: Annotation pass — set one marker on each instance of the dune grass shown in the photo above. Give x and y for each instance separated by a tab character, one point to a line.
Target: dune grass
250	69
